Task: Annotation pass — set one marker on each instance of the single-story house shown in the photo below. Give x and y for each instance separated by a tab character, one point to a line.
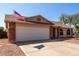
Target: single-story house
35	28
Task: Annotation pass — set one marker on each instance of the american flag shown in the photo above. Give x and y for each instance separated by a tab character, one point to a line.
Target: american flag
18	16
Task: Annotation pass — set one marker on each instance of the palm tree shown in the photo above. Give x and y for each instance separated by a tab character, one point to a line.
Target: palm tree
77	21
69	20
63	18
77	24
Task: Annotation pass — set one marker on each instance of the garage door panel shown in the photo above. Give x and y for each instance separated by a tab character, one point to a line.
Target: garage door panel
31	33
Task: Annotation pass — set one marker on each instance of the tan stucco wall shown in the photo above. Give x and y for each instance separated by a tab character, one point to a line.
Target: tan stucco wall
31	25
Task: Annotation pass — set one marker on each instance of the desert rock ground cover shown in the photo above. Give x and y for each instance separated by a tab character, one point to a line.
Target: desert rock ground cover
9	49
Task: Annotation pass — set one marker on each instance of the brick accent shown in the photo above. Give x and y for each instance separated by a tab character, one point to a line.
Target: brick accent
11	31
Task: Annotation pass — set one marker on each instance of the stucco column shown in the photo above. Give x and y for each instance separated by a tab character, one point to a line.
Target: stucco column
71	32
51	33
56	32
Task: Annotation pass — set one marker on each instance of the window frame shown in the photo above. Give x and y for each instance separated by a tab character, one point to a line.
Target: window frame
68	32
38	19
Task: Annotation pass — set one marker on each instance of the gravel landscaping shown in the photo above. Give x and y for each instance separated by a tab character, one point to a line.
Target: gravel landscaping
73	40
8	49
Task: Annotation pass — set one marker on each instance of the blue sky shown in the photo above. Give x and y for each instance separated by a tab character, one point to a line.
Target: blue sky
51	11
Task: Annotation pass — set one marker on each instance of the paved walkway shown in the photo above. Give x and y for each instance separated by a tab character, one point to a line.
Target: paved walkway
60	48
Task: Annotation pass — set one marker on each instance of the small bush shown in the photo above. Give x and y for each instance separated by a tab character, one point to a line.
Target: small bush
3	33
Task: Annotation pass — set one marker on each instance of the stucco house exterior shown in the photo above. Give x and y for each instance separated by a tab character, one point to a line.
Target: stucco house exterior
35	28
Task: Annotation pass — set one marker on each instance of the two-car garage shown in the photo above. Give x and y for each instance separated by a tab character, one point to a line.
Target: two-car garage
27	32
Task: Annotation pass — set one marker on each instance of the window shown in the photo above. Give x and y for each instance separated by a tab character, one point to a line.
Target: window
38	19
61	32
68	31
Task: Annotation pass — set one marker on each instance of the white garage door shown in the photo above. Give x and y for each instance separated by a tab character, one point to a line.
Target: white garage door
31	33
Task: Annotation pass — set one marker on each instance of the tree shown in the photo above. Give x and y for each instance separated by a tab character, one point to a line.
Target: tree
63	18
75	19
66	19
69	20
77	28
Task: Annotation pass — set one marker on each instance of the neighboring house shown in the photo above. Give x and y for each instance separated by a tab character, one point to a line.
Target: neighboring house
34	28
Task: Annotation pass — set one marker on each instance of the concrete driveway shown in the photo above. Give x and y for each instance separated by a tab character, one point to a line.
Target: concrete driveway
59	48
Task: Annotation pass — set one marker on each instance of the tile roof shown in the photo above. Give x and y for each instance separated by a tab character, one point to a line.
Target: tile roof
27	19
60	24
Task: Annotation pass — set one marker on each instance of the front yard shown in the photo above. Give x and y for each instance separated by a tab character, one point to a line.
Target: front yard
8	49
50	48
